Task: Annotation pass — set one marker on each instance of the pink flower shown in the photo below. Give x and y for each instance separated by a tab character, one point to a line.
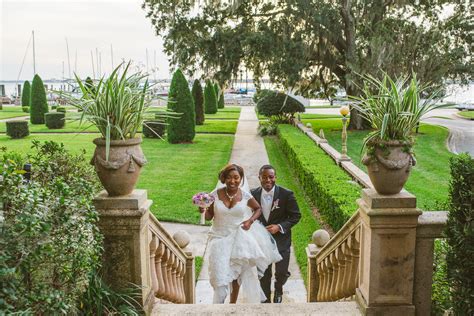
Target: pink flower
203	199
275	204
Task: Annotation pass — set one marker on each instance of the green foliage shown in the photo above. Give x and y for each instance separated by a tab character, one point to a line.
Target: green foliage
100	299
55	120
210	98
280	106
61	109
267	128
395	108
198	98
25	109
17	129
441	300
89	84
153	129
39	105
26	94
327	185
197	266
460	235
221	102
181	130
50	242
260	94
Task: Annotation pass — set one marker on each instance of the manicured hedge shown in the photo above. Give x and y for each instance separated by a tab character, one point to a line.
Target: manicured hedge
280	106
61	109
198	98
210	98
39	105
327	185
55	120
17	129
26	94
460	235
25	109
153	129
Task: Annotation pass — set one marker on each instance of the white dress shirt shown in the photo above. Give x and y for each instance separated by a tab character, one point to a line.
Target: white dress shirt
266	201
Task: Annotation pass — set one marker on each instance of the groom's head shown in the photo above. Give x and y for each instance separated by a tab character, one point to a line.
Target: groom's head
267	176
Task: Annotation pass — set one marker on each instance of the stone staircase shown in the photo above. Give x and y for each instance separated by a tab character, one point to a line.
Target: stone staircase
293	309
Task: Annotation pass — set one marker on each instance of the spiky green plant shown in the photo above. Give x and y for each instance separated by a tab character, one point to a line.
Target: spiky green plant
394	108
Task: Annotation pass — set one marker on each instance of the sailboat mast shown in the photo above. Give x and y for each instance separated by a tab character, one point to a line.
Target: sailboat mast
34	58
92	60
68	59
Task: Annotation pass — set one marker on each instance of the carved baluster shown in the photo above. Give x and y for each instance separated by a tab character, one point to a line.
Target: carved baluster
355	255
341	266
346	249
319	295
169	275
154	280
181	271
335	266
174	275
160	251
327	290
164	269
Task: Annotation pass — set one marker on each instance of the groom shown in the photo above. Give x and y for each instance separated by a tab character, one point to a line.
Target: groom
279	213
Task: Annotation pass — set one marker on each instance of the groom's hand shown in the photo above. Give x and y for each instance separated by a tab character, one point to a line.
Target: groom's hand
273	229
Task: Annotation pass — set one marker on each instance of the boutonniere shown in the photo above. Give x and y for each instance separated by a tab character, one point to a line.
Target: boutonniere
275	204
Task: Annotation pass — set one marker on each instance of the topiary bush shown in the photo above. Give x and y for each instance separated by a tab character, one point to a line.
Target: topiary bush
280	105
26	95
17	129
61	109
198	98
210	98
153	129
39	105
221	101
182	129
25	109
54	107
55	120
460	235
263	93
50	241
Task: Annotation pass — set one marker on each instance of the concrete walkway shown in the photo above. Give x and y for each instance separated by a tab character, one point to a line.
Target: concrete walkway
249	152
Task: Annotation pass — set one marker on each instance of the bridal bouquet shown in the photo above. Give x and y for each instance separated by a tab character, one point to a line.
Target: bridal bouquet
203	200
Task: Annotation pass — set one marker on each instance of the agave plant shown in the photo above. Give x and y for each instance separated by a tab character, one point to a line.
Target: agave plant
117	105
394	108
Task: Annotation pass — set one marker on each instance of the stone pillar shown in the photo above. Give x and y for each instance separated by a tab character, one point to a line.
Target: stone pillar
189	279
126	258
320	238
387	258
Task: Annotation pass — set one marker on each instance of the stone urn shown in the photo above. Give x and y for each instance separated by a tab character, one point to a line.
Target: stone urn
389	165
120	172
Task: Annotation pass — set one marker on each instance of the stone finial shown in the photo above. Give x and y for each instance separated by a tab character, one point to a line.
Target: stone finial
321	134
320	237
308	125
182	238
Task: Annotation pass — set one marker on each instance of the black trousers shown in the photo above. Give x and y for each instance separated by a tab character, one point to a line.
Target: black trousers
281	275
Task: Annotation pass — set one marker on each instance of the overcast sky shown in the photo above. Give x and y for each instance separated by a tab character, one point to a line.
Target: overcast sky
87	25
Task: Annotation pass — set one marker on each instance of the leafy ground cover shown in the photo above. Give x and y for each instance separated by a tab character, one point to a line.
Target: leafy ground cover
9	111
429	179
301	232
173	173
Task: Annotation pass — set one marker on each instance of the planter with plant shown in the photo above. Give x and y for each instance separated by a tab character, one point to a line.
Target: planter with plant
394	108
117	106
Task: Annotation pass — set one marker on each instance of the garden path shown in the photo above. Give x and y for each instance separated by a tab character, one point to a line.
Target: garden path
249	152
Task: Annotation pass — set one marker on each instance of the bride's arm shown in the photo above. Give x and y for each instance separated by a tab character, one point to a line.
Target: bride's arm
209	212
257	211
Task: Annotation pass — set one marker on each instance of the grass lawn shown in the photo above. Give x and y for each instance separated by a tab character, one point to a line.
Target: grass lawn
301	232
9	111
467	114
429	179
173	173
228	109
210	126
319	116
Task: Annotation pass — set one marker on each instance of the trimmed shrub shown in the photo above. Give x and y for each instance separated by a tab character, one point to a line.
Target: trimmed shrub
89	84
210	98
55	120
182	129
39	105
280	105
327	185
26	94
17	129
263	93
460	235
54	107
50	241
221	102
25	109
61	109
153	129
198	98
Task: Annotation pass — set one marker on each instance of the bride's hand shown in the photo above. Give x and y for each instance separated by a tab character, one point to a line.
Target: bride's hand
246	224
201	210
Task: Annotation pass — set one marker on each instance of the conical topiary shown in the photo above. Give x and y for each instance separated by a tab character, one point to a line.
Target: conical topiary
210	99
26	95
220	103
182	129
198	98
39	105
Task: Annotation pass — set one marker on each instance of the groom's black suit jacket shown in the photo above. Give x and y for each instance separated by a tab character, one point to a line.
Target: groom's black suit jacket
286	214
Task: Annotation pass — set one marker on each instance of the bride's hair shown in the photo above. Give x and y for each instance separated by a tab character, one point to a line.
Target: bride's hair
227	169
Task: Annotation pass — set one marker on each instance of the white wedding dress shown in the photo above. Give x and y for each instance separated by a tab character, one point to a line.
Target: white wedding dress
237	254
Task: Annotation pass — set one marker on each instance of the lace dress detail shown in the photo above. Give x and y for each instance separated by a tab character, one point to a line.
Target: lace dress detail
237	254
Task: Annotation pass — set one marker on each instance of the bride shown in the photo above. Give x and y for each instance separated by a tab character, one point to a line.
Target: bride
240	248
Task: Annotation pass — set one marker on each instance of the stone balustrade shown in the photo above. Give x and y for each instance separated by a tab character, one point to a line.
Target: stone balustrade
138	250
333	267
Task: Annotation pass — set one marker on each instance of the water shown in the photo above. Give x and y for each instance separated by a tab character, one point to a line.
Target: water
456	94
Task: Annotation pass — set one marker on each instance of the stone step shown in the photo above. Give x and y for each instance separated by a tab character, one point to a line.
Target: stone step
293	309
